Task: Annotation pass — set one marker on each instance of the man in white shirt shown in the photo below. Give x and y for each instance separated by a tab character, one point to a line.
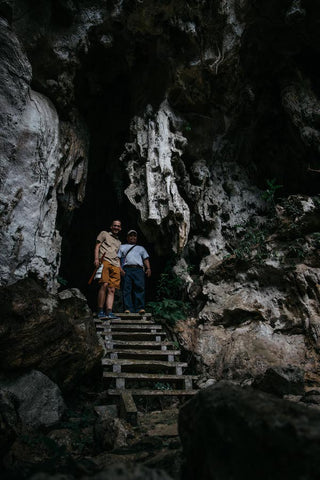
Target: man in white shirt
135	264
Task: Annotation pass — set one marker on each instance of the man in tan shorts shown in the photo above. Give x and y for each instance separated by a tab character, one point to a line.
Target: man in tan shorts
106	252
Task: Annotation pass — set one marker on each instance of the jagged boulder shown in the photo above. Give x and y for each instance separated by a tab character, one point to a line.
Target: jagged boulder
109	431
44	332
114	472
10	423
231	432
281	381
40	400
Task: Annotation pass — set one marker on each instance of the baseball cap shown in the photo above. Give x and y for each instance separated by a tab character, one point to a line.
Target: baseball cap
132	231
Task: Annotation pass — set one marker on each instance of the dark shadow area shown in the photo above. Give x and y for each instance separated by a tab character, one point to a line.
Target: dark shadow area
109	93
279	49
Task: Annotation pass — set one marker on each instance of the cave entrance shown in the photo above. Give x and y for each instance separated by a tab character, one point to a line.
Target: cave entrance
104	202
112	86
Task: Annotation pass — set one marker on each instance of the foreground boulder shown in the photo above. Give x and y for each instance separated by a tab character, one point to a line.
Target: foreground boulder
230	432
114	472
45	332
40	400
10	423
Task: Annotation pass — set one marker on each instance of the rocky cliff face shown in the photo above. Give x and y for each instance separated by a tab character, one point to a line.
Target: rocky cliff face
173	115
41	157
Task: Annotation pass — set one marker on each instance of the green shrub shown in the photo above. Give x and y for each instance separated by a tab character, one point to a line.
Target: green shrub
169	309
252	244
269	194
170	291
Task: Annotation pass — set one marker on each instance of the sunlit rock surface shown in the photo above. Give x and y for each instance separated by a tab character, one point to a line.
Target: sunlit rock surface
150	160
40	158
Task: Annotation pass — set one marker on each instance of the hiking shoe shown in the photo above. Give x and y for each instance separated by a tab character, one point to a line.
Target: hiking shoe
127	311
142	311
101	315
112	316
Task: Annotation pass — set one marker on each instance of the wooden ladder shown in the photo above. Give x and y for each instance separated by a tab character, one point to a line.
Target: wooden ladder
140	361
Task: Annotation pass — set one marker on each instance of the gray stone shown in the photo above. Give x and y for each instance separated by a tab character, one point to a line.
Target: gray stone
311	397
42	332
281	381
10	423
137	472
107	410
110	432
41	402
233	432
114	472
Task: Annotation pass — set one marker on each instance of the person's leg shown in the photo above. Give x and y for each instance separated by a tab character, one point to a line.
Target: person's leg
104	281
138	289
114	282
110	299
102	295
102	299
127	290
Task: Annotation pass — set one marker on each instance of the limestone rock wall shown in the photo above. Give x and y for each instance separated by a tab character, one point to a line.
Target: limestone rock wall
200	116
150	164
261	304
41	157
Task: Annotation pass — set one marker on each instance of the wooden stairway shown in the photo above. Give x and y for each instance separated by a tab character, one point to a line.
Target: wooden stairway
140	361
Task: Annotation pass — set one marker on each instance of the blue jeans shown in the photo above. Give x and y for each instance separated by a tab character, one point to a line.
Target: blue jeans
133	289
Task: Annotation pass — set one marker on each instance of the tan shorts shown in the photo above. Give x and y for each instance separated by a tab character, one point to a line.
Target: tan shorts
110	275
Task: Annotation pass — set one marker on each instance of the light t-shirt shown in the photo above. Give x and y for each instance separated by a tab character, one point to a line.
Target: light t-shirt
109	246
134	257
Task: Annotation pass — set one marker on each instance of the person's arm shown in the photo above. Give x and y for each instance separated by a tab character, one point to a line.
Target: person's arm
120	254
96	254
147	267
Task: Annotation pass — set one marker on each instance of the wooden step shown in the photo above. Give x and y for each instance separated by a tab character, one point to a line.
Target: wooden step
142	344
117	364
97	321
119	353
132	322
133	315
148	376
128	409
134	335
124	361
154	392
138	327
121	378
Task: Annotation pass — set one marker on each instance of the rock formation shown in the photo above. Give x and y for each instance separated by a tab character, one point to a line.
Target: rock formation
40	400
40	157
230	432
197	120
54	335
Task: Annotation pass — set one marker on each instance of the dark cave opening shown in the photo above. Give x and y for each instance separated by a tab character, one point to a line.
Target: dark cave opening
108	99
102	204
